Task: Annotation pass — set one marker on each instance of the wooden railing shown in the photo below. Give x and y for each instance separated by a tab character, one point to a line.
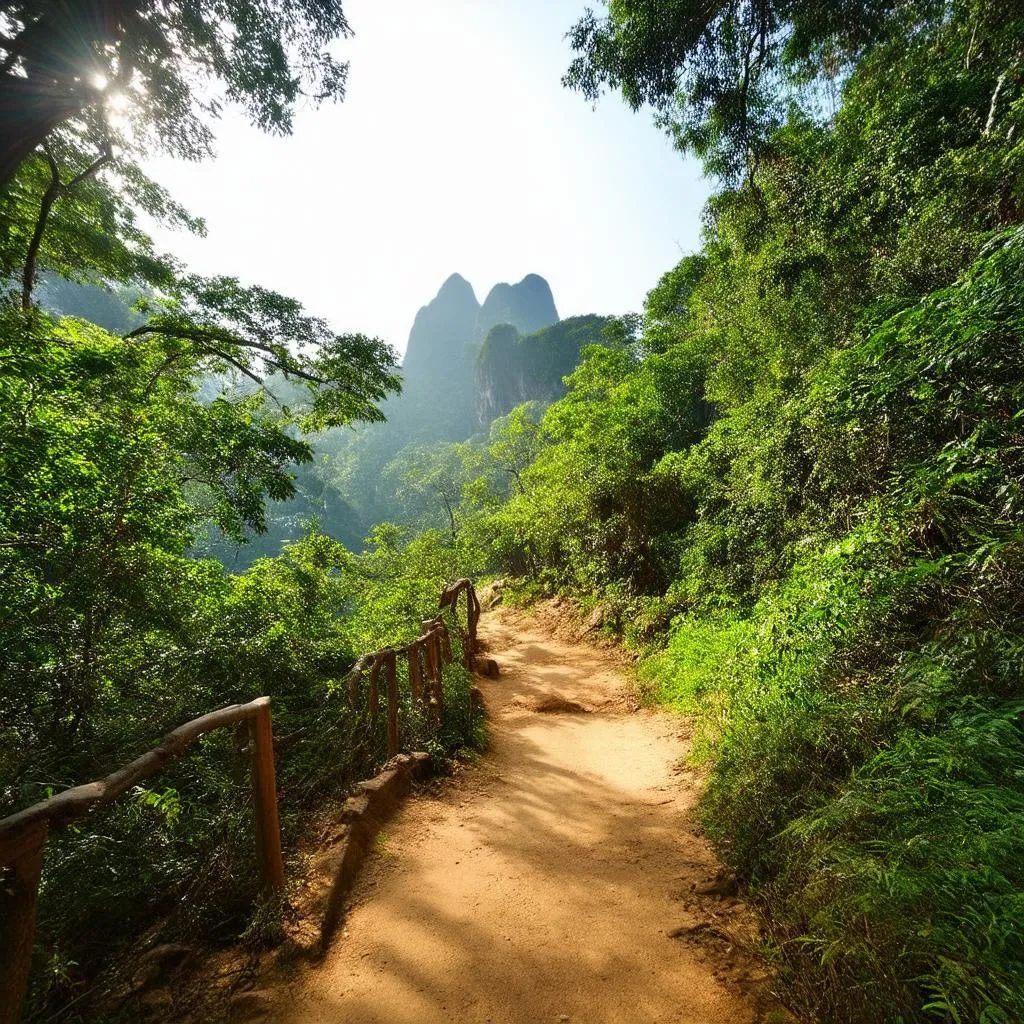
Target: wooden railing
23	835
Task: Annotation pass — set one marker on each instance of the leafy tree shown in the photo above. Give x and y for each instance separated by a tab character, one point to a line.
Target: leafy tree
435	478
73	214
257	332
516	440
594	507
167	68
722	76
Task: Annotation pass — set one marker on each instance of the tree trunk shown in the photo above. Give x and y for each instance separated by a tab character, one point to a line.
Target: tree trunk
28	113
46	72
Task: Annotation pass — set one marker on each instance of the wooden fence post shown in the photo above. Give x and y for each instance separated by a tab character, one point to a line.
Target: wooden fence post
472	616
374	695
430	693
415	671
353	687
391	681
446	644
438	676
21	863
268	824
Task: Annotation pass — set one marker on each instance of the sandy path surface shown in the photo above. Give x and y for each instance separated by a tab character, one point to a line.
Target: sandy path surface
546	882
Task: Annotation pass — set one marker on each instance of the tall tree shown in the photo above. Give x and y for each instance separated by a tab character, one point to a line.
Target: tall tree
713	69
176	61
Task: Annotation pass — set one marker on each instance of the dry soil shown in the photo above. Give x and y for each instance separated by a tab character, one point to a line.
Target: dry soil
559	879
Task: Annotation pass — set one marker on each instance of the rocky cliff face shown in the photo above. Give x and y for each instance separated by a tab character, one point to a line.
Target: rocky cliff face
467	363
512	368
439	400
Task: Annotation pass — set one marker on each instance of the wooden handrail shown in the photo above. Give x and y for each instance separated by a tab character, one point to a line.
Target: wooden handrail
23	835
65	807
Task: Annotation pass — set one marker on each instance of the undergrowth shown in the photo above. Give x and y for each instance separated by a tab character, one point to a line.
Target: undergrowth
864	717
174	860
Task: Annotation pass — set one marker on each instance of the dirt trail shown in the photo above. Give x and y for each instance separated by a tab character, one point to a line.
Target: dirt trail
554	881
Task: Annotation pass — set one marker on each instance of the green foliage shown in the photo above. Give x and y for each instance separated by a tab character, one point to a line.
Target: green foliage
796	482
121	452
516	440
724	78
864	716
257	332
431	480
165	69
92	230
112	464
595	505
808	458
179	857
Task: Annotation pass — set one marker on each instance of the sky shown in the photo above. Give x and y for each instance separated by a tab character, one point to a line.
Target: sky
456	149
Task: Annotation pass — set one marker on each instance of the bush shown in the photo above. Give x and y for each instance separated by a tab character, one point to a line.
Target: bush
865	716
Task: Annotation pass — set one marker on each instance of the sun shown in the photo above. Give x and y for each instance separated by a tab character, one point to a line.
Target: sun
118	102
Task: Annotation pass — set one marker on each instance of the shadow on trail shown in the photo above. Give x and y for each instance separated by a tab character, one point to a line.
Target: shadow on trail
544	885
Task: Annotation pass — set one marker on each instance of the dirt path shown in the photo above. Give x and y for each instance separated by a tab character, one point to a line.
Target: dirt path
545	883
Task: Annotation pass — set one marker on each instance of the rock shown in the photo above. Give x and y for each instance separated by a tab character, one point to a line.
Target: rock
598	617
555	705
355	807
744	933
486	667
254	1005
158	964
490	595
168	955
723	884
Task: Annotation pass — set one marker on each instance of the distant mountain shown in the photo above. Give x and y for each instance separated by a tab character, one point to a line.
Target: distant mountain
512	369
527	306
439	397
465	364
441	332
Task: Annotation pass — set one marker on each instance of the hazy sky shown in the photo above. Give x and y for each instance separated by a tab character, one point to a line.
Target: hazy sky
456	149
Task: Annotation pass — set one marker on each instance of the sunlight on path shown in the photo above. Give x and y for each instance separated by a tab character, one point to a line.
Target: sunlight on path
545	883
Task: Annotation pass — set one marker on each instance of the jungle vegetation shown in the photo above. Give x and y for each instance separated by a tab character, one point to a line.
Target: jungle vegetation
793	483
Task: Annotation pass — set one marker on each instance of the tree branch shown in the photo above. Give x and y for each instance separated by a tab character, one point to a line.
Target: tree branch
53	192
32	256
204	335
241	367
104	158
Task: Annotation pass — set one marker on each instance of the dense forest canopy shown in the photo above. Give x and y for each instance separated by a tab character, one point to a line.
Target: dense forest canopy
792	484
